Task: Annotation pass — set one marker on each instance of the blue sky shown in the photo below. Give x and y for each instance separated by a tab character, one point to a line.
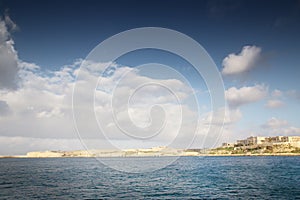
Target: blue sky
54	34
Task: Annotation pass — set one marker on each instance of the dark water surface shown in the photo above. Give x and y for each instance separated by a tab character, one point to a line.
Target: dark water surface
187	178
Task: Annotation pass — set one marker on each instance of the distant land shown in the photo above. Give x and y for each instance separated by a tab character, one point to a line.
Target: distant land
165	151
251	146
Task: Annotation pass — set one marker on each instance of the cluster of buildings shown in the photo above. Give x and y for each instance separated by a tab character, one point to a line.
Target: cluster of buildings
265	141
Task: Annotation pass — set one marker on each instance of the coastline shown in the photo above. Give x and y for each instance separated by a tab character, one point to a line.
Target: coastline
199	155
161	151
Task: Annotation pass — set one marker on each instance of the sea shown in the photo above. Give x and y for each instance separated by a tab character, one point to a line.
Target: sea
240	177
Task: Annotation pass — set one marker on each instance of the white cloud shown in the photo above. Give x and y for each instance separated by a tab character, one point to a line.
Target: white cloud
275	123
242	62
38	114
274	103
239	96
8	56
276	126
41	107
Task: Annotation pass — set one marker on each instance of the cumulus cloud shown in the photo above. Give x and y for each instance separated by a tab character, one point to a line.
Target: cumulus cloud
8	56
244	61
275	126
41	107
140	106
235	97
240	96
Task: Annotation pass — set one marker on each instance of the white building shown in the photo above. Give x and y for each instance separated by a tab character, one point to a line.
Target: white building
291	140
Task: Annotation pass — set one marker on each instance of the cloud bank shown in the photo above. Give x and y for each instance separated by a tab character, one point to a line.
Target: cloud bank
41	108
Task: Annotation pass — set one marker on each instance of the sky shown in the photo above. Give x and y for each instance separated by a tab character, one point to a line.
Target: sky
44	58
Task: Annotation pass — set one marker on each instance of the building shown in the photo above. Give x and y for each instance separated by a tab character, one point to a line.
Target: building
276	140
251	141
291	139
283	139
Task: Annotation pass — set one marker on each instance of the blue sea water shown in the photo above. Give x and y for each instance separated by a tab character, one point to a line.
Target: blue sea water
188	178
